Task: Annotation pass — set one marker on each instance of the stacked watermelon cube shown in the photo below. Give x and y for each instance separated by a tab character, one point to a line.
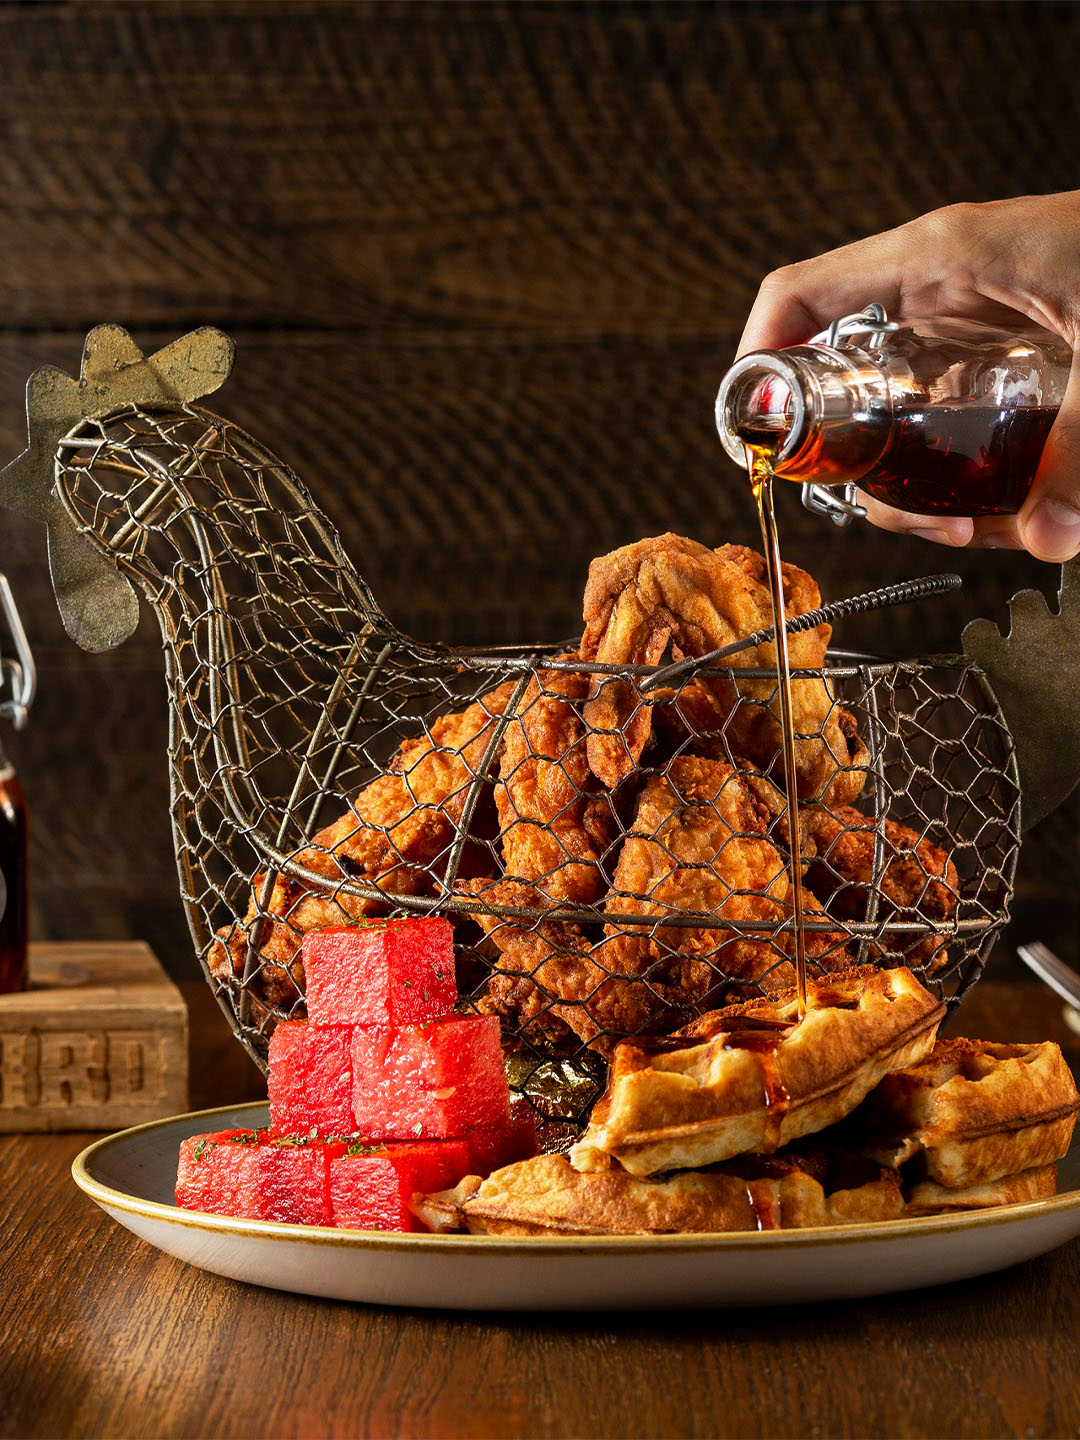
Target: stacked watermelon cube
258	1175
381	1093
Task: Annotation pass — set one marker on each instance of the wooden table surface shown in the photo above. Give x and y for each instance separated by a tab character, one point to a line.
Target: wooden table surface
100	1335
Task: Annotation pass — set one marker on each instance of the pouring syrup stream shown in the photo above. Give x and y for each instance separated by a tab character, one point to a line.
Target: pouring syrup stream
760	453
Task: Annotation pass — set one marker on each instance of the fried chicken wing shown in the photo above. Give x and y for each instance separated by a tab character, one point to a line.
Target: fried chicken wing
669	590
396	829
919	880
555	827
697	846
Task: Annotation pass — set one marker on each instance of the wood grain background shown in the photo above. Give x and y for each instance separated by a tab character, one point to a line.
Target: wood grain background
485	265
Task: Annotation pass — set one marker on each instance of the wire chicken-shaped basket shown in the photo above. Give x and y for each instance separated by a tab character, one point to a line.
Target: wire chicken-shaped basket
326	768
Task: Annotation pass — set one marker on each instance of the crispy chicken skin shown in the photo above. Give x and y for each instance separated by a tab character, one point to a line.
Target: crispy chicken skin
543	969
705	717
919	881
521	1003
697	844
395	830
670	590
555	826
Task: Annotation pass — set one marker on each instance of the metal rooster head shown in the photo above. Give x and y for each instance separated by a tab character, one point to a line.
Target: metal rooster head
99	606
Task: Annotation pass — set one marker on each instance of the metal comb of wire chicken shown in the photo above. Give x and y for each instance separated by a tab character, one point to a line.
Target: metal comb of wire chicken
326	767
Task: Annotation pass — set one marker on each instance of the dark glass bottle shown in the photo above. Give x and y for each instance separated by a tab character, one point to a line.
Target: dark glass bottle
14	857
939	417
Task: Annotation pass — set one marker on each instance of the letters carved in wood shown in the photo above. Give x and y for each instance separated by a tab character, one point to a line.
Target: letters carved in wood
98	1042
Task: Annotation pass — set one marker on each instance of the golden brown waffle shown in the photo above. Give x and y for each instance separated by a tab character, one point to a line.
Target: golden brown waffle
547	1196
971	1112
930	1198
752	1077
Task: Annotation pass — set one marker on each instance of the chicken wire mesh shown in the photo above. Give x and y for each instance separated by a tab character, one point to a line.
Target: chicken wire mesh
610	842
326	769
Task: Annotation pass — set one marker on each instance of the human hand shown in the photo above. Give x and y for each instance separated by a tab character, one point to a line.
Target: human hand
1001	263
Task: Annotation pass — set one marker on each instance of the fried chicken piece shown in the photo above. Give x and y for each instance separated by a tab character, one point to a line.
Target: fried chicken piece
395	831
671	590
919	881
541	963
697	845
774	803
521	1003
555	827
707	718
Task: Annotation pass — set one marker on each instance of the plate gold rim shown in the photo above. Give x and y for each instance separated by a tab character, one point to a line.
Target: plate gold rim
111	1199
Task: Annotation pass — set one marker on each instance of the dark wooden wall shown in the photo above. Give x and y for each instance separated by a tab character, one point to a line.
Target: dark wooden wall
485	265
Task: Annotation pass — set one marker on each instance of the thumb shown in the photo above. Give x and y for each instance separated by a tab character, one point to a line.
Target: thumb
1049	521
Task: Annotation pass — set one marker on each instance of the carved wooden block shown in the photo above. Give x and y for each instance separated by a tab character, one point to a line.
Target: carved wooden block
98	1042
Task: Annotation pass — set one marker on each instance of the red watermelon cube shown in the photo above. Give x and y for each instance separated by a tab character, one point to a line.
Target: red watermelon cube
430	1081
216	1171
291	1180
380	972
253	1175
371	1185
310	1082
498	1145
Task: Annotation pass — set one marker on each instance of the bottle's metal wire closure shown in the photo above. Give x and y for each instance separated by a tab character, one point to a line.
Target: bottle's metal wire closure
839	503
871	319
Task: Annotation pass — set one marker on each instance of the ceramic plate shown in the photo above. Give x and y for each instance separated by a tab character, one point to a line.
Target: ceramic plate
131	1176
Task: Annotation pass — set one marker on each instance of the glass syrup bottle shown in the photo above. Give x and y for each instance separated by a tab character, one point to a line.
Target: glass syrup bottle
939	417
14	824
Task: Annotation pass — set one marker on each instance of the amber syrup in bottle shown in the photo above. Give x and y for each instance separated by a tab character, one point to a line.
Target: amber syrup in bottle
960	459
760	453
14	835
937	459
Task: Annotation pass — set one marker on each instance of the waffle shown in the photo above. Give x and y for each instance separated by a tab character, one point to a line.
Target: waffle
971	1113
930	1198
547	1196
753	1077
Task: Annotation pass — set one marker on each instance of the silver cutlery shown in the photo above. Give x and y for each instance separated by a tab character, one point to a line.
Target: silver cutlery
1049	968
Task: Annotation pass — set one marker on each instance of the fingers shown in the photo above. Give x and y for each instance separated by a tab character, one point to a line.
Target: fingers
953	530
1049	522
997	532
799	300
985	532
944	263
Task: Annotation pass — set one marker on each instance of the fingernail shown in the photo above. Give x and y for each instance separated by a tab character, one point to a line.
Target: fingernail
999	540
939	537
1053	531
